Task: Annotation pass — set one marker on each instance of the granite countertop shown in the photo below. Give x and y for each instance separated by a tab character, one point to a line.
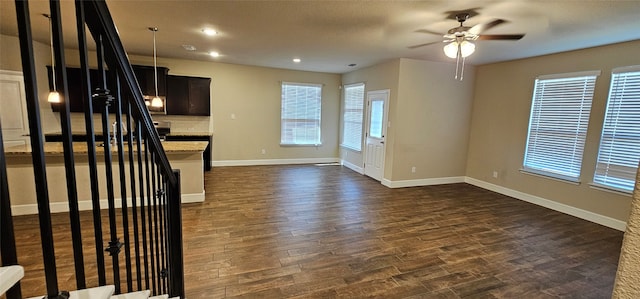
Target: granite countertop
99	133
55	148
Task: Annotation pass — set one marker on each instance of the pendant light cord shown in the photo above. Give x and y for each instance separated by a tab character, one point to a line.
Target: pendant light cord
155	61
53	61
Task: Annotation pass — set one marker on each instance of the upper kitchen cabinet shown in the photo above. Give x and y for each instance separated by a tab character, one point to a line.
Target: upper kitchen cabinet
188	95
144	74
146	79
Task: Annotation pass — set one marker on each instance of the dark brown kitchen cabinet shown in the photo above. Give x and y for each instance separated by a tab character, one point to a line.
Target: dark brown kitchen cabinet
146	79
144	74
188	95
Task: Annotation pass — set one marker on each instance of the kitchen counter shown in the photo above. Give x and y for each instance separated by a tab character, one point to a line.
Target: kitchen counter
202	136
187	156
55	148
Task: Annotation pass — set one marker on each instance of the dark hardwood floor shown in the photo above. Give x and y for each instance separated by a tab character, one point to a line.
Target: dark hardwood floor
327	232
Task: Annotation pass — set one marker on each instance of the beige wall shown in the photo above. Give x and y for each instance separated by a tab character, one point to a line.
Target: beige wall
251	93
431	121
429	113
500	119
377	77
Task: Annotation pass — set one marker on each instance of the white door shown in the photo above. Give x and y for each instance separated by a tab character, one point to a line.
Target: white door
377	109
13	109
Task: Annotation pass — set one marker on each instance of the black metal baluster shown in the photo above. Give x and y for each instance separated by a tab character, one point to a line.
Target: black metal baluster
69	164
134	203
91	141
149	214
123	186
163	230
143	221
155	220
103	96
37	148
8	254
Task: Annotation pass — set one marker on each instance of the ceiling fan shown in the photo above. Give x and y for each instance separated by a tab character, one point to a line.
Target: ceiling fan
459	39
466	33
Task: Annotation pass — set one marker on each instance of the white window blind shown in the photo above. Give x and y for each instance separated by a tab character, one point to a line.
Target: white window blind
300	115
352	116
558	124
620	141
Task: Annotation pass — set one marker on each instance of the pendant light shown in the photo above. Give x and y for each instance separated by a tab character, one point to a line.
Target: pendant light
54	96
156	101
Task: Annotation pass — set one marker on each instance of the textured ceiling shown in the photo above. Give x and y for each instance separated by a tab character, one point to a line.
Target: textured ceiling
330	35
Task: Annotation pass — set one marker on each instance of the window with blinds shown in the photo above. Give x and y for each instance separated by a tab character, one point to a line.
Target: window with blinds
300	115
619	150
353	106
558	124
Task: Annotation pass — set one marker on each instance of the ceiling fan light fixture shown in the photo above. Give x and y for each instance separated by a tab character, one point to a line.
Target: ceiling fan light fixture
451	49
467	48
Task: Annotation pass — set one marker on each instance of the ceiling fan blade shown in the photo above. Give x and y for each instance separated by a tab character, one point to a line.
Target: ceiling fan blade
477	29
500	36
429	31
422	45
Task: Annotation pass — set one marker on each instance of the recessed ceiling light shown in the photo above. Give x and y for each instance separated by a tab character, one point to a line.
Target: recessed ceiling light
209	31
214	54
296	60
189	47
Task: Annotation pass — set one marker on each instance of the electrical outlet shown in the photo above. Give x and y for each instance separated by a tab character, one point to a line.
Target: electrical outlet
264	151
495	174
233	116
413	169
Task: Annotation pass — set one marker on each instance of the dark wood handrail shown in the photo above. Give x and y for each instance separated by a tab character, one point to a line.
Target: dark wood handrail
100	24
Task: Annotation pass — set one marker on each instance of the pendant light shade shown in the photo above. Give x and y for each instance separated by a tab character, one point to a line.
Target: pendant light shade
157	102
54	96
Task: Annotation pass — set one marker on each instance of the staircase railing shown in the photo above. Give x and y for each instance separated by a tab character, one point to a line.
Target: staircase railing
153	213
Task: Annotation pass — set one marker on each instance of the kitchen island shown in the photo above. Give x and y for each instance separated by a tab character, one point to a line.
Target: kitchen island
187	156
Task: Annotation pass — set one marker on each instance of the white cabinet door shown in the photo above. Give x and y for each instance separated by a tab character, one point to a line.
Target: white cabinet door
13	109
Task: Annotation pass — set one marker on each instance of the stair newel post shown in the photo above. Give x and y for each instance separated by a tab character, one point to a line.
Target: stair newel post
91	141
103	96
65	124
8	254
37	149
174	222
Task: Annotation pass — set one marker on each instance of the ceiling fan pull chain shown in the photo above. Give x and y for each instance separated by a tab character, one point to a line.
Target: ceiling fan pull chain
457	63
462	69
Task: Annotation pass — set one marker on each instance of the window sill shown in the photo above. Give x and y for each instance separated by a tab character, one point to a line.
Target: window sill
610	189
351	148
550	176
299	145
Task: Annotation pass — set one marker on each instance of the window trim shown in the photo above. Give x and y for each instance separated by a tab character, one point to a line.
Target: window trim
526	167
286	144
343	120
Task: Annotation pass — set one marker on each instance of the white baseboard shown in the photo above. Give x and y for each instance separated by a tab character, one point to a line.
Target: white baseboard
352	166
273	162
550	204
423	182
84	205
